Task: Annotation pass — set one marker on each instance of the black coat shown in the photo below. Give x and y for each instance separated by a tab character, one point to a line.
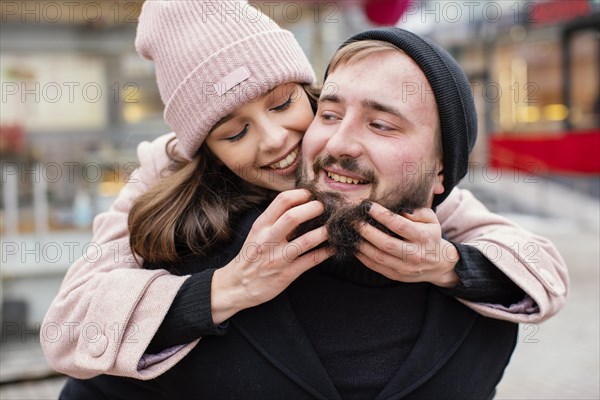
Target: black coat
266	355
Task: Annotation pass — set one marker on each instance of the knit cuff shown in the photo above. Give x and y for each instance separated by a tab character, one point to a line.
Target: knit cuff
190	315
481	281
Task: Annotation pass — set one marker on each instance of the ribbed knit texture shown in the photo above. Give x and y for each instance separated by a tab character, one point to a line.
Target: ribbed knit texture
458	117
344	319
481	281
195	44
354	271
194	318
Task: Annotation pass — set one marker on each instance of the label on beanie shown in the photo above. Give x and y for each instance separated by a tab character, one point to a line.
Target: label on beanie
231	80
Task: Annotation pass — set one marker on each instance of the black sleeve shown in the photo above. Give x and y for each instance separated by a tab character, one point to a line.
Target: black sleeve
481	281
190	315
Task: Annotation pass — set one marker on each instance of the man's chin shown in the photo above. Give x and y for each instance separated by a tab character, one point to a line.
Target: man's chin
345	206
340	217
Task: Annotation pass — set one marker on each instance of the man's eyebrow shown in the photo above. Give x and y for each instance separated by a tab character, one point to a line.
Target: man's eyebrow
377	106
367	103
330	98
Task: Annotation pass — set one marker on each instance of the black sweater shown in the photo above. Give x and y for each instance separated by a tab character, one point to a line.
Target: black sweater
356	334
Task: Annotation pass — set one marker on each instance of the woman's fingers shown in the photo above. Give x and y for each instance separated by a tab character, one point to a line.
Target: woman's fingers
289	221
312	259
282	203
411	227
424	215
379	239
268	263
306	242
396	223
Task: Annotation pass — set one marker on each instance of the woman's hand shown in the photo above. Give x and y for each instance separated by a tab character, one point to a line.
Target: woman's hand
268	262
423	255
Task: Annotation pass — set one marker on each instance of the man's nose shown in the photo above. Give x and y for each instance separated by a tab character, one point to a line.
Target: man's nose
345	141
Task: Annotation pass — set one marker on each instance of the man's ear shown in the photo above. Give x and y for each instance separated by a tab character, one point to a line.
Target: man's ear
438	184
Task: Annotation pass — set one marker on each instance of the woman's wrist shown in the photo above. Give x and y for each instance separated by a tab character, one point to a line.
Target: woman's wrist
450	257
226	298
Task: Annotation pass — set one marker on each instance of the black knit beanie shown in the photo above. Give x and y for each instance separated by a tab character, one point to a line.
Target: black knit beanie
458	118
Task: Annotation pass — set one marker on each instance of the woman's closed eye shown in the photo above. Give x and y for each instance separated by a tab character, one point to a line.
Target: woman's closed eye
237	136
283	106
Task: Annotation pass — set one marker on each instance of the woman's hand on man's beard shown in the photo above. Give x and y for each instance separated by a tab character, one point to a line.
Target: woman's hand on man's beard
415	252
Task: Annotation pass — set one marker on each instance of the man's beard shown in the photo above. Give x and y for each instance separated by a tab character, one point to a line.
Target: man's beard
341	216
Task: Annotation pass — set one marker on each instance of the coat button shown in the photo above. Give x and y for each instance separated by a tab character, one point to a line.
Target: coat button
98	347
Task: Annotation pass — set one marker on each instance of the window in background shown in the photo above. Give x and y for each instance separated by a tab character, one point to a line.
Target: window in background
529	77
50	93
585	82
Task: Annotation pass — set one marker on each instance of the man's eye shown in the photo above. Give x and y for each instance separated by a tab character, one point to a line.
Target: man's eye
381	127
283	106
328	116
238	136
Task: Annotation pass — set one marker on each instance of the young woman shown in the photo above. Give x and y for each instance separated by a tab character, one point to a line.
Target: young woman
236	93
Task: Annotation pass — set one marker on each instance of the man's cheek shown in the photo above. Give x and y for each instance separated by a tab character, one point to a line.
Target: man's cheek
403	172
316	135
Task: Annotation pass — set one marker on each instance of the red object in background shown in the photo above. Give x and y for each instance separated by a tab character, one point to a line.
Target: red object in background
555	11
12	138
569	152
385	12
380	12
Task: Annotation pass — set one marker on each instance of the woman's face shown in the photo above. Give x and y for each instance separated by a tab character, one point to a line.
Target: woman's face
260	141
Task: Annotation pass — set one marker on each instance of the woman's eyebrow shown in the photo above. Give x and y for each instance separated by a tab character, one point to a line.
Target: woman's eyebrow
223	120
232	115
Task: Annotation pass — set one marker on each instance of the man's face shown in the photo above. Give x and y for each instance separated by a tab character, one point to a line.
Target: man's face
375	132
374	138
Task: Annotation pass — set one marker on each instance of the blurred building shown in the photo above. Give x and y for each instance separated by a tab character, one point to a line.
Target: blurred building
534	68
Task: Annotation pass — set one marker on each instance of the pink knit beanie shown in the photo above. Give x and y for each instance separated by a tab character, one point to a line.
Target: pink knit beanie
212	57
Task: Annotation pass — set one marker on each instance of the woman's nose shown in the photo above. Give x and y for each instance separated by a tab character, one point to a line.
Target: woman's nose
273	137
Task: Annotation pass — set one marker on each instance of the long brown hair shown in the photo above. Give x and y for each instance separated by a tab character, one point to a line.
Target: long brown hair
191	210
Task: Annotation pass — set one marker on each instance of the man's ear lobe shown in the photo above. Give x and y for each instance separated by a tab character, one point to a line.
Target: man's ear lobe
438	184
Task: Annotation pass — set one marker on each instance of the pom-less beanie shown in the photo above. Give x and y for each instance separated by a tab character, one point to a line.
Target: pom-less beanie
212	57
458	118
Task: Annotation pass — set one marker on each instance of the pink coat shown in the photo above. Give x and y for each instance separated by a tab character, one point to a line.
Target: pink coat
107	311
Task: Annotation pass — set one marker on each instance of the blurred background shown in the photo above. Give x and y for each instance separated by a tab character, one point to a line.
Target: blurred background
77	99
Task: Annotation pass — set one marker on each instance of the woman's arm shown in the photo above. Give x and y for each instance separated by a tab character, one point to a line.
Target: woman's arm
529	260
505	271
108	308
259	264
